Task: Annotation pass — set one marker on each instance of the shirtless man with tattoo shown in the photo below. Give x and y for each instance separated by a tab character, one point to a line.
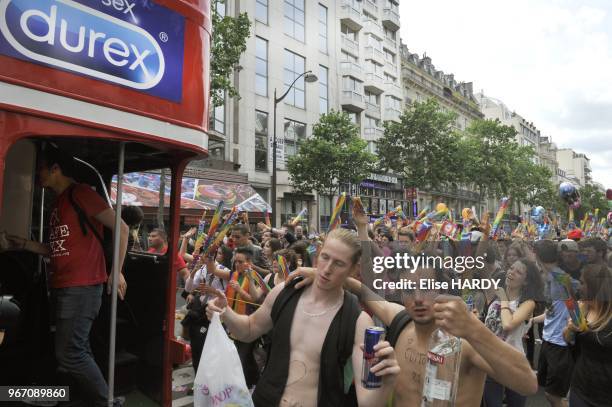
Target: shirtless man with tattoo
482	352
295	375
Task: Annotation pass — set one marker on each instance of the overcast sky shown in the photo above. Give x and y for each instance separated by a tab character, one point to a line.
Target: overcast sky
548	60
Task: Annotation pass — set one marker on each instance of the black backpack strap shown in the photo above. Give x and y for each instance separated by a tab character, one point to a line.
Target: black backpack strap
83	218
397	326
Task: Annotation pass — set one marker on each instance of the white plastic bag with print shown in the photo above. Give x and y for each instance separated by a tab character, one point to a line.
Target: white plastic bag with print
220	380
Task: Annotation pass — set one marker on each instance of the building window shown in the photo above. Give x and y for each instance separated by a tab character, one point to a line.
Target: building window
323	90
220	5
322	28
216	149
353	117
371	123
390	34
372	98
389	57
294	66
392	103
261	66
294	19
348	32
295	132
372	148
290	209
352	84
261	11
345	56
261	141
217	119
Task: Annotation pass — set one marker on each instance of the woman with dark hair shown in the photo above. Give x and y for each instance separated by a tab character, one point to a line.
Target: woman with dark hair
273	279
301	250
592	376
508	317
269	247
133	216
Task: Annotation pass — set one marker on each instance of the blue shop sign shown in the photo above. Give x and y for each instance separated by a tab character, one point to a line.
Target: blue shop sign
133	43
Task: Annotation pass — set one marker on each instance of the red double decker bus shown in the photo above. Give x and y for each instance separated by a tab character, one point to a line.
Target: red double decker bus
122	86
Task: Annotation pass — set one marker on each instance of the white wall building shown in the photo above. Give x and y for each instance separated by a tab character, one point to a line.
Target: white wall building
576	166
351	46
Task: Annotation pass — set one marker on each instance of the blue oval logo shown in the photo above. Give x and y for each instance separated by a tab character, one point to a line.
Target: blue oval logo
72	36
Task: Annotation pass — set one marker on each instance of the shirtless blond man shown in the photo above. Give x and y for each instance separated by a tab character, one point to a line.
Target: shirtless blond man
482	352
304	367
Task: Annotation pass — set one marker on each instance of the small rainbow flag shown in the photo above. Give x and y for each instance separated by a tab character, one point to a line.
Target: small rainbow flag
257	280
335	217
503	205
299	217
282	267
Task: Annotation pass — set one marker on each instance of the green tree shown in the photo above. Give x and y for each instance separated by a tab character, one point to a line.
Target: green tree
334	155
422	147
531	183
490	149
591	198
228	43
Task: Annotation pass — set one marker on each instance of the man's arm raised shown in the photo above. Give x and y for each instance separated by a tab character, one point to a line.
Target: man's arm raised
498	359
245	328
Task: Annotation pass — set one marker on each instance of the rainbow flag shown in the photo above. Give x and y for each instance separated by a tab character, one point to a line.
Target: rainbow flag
299	217
258	281
225	228
282	266
214	224
503	205
335	217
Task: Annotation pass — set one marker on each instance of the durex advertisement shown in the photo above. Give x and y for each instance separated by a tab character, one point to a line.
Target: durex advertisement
132	43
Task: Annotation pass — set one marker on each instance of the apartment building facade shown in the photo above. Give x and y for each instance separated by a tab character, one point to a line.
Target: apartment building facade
576	166
353	49
422	81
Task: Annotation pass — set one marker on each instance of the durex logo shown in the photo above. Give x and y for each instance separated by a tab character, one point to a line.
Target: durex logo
72	36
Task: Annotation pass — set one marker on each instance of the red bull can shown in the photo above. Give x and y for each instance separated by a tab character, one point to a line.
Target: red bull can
373	335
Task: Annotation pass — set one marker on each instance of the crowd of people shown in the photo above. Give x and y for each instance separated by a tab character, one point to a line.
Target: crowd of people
297	335
297	305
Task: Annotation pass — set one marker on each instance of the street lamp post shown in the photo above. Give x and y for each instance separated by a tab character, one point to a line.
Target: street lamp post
308	77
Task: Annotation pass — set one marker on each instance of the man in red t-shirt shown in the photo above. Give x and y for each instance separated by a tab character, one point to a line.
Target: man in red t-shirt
78	269
158	244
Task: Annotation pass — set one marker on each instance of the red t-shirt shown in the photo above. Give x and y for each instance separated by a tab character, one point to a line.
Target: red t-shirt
76	259
178	262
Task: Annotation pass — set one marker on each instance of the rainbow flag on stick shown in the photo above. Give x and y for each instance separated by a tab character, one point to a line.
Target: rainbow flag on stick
299	217
335	218
214	225
258	281
225	228
282	267
503	205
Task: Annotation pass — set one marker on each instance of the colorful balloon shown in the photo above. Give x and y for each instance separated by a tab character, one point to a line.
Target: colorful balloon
441	207
609	194
537	214
569	193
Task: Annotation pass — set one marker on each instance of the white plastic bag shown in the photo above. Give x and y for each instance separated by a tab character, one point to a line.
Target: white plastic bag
220	380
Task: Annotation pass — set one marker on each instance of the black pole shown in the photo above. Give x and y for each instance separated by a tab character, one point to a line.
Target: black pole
273	200
277	101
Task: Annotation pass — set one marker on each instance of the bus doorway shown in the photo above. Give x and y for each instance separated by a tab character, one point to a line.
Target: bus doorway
141	328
